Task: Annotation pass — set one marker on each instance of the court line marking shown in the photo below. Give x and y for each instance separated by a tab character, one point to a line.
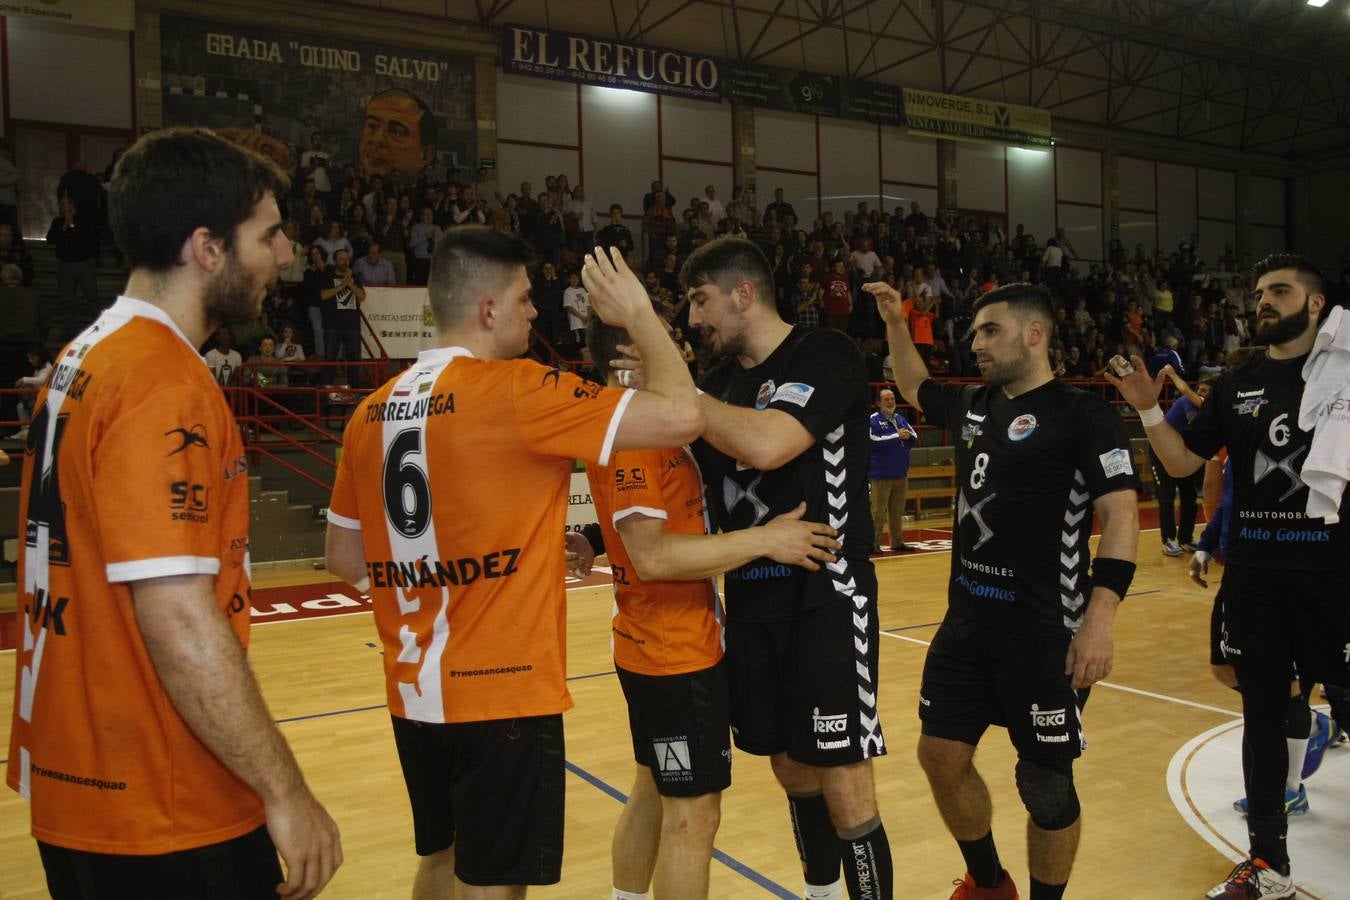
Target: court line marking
730	862
1190	814
1119	687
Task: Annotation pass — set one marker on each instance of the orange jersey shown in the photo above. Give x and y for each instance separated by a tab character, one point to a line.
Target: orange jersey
659	627
135	470
921	326
457	475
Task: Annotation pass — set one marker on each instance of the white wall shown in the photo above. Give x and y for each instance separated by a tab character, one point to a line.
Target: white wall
850	165
784	141
1031	191
534	109
619	148
696	129
909	160
1135	184
687	180
981	177
1083	227
1078	175
521	162
69	74
1139	228
1266	201
1176	205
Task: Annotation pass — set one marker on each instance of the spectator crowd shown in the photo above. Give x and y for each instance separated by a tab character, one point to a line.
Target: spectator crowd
349	232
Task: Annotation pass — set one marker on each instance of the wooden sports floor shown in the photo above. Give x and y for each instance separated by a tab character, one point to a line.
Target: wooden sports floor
322	678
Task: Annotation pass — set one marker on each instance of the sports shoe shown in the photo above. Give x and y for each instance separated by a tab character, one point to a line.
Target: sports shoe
1253	879
1172	548
1295	802
1188	546
966	889
1321	738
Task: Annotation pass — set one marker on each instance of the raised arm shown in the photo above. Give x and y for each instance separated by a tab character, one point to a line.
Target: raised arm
1141	392
906	364
666	412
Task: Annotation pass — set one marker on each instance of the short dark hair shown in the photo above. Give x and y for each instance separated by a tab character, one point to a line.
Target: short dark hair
1308	274
427	124
614	206
1023	298
727	261
603	341
468	261
172	182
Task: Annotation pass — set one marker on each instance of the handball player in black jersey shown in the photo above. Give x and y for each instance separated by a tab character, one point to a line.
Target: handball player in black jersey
1029	621
1284	595
787	412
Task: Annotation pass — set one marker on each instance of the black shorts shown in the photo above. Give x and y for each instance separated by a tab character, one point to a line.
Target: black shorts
808	687
977	676
1281	618
680	726
494	790
243	868
1216	635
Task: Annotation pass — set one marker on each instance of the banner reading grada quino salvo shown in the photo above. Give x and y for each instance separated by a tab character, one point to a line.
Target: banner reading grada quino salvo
965	118
589	60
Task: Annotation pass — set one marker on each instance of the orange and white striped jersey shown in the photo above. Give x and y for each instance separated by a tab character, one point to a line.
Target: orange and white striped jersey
456	473
135	470
659	627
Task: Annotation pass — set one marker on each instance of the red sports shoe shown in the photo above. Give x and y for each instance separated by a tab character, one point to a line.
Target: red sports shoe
966	889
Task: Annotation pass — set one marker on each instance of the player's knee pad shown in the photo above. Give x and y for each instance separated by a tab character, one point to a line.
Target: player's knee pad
1047	791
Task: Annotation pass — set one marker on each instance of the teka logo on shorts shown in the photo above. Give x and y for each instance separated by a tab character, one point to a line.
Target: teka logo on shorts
765	394
1022	427
672	758
834	726
1049	718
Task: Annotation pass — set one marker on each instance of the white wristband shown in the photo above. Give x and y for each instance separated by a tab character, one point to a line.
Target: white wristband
363	585
1151	416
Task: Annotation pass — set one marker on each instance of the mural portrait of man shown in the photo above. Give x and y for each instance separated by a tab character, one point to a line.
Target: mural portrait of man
398	138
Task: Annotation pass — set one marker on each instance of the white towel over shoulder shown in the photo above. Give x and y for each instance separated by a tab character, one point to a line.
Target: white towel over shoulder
1325	411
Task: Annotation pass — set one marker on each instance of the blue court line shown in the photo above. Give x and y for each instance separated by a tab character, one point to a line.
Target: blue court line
730	862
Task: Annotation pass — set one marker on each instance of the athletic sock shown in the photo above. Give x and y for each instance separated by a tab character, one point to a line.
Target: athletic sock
629	895
817	844
833	891
1297	729
1268	842
1042	891
982	863
867	861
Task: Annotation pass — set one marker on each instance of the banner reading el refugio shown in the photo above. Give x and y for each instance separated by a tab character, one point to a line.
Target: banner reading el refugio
564	56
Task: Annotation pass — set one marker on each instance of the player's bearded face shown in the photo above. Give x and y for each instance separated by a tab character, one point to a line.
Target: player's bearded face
234	294
1273	328
723	324
1003	355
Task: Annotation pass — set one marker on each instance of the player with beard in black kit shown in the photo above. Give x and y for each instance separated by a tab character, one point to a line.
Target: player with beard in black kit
787	412
1027	629
1284	584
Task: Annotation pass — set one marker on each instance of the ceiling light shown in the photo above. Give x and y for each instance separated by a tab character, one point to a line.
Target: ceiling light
1317	2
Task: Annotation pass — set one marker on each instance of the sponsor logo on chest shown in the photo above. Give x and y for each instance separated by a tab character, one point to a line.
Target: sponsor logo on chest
1249	403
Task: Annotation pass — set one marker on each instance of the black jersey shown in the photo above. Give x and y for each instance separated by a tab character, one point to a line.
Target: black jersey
818	377
1253	411
1027	471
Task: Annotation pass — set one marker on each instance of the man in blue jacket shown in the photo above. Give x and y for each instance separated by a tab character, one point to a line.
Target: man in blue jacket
888	469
